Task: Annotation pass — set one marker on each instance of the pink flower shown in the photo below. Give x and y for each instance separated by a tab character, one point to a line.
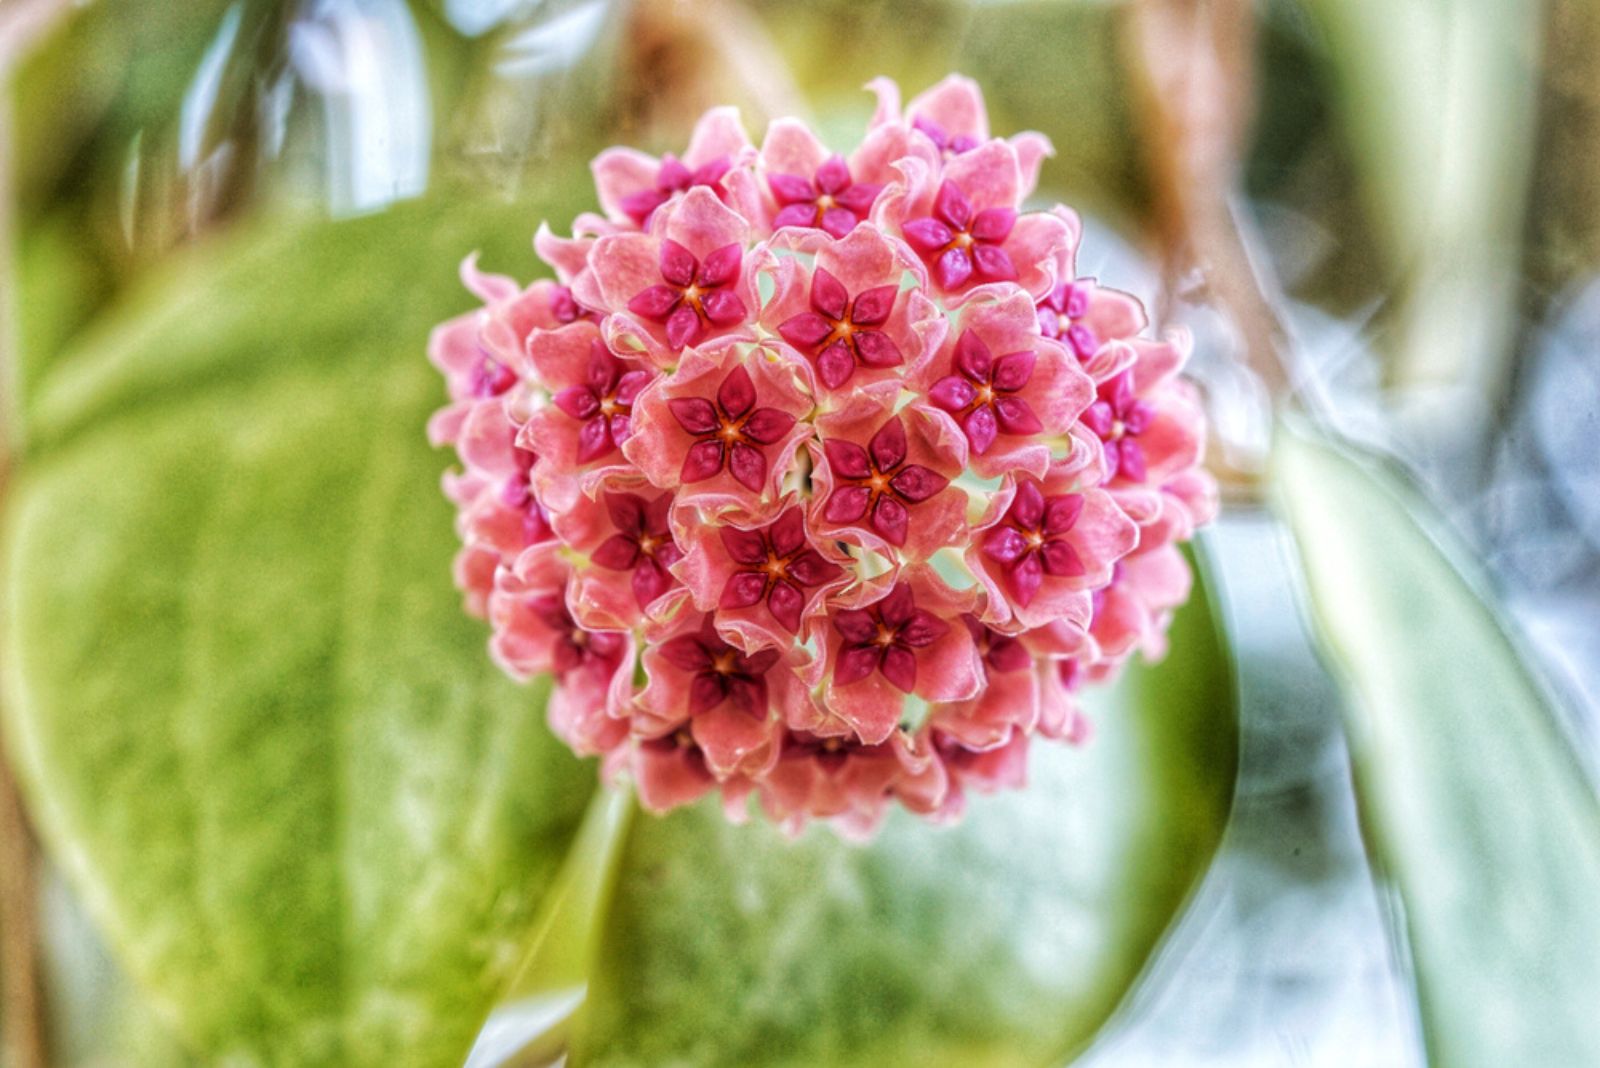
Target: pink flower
848	318
885	640
1010	396
1043	545
633	185
818	476
763	582
720	429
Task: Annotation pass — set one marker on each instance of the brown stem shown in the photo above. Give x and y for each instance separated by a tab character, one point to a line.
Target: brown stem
1194	70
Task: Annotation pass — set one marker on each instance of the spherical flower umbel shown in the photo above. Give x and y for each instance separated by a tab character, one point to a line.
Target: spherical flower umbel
820	476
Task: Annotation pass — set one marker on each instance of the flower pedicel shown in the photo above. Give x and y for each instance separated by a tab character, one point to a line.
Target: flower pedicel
820	478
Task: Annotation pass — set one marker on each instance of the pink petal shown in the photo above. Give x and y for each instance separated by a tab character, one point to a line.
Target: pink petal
577	401
724	307
1027	507
980	428
836	365
899	666
1059	558
1061	513
786	603
795	215
810	569
877	349
683	327
855	625
917	483
927	236
847	504
872	307
992	264
828	295
922	629
951	205
953	393
616	553
833	176
677	264
737	394
695	414
788	533
847	459
1026	576
649	582
891	520
1005	544
655	303
720	266
768	425
888	446
1015	416
744	589
703	461
993	225
805	331
748	465
954	267
686	653
838	222
856	662
705	692
1012	371
791	189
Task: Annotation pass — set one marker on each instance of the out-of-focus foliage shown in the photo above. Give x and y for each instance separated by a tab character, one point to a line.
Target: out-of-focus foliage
313	823
1468	788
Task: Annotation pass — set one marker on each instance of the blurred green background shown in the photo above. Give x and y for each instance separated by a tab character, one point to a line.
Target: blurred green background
273	805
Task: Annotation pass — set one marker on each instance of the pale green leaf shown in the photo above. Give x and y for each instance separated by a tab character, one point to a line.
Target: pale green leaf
1470	792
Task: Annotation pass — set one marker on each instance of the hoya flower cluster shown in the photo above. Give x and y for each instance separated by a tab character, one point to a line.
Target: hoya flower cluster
816	477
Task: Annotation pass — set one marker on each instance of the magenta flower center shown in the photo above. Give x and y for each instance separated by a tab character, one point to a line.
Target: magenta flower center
830	201
1118	417
1030	542
877	482
575	647
603	402
1061	314
643	544
673	177
778	566
721	672
694	296
947	145
961	245
732	432
840	333
884	638
982	394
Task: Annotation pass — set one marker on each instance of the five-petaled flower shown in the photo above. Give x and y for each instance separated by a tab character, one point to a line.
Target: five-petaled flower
829	201
603	403
693	295
642	545
839	332
732	432
777	565
1031	541
982	396
877	483
885	637
672	177
962	245
1119	416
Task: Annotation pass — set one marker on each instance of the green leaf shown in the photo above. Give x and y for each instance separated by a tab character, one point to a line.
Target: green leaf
1470	792
257	729
1005	940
